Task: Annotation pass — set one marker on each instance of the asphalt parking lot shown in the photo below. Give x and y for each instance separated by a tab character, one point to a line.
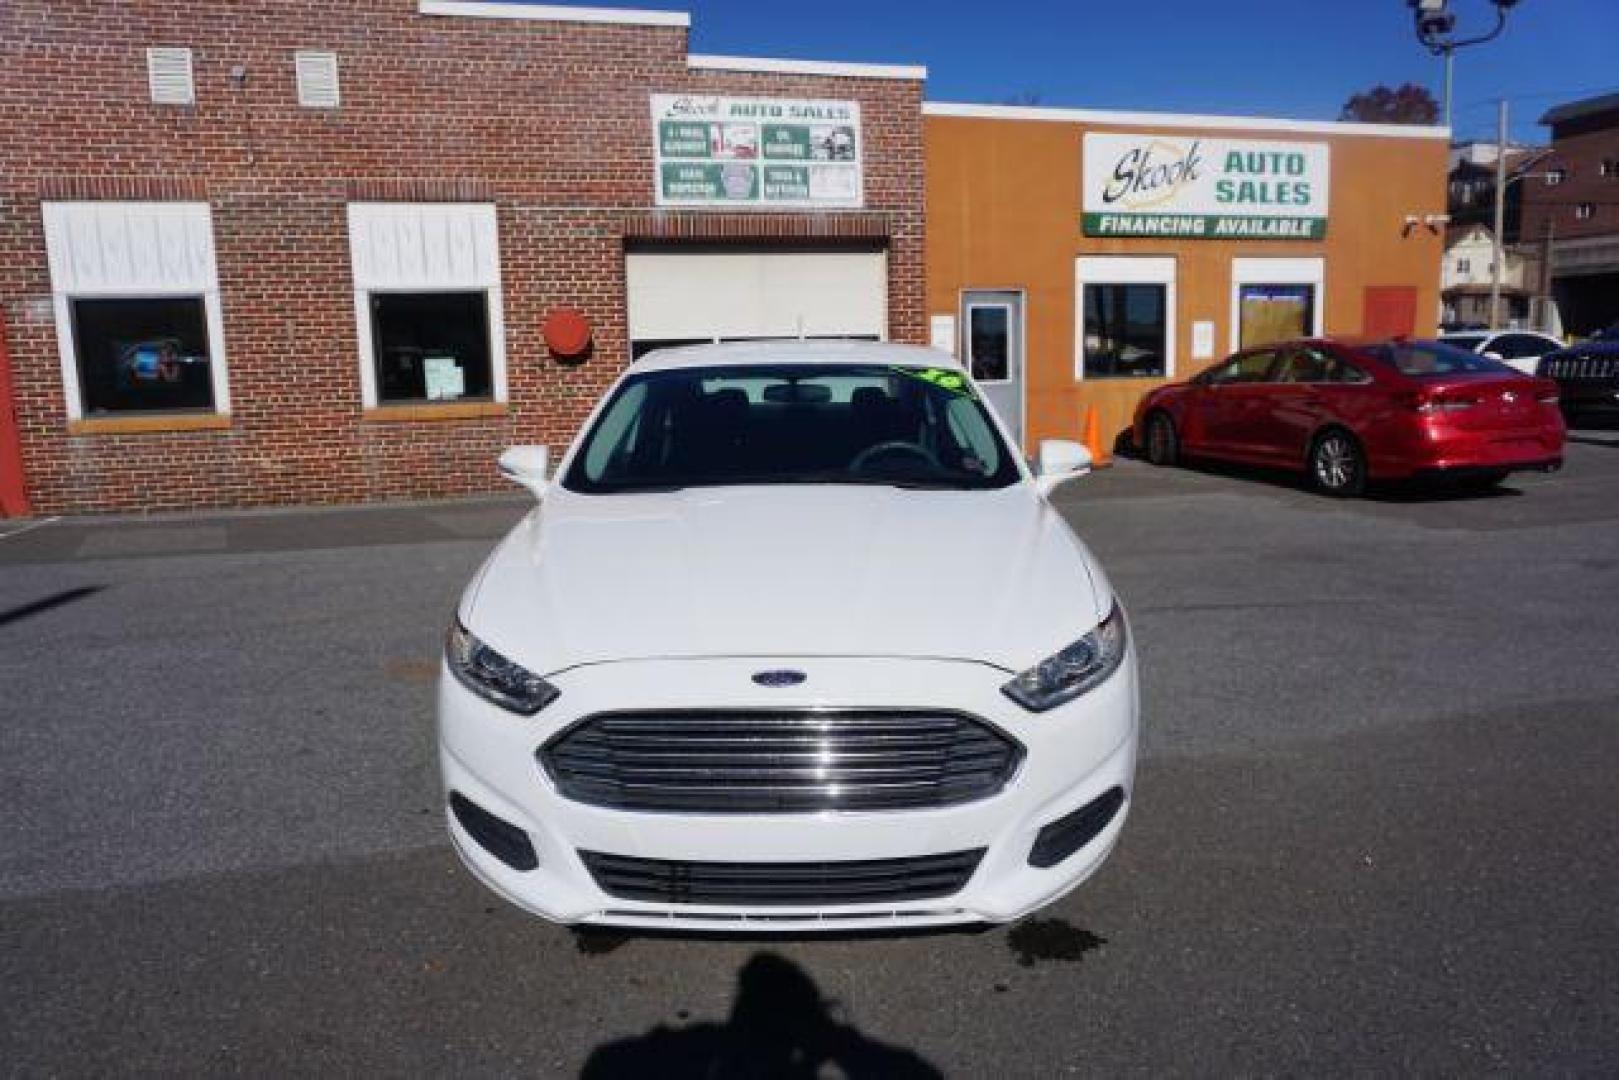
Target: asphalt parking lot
1376	825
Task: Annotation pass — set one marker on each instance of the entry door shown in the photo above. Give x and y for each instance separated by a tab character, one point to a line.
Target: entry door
992	351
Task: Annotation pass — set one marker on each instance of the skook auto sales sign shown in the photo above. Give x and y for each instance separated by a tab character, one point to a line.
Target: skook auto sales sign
765	153
1204	189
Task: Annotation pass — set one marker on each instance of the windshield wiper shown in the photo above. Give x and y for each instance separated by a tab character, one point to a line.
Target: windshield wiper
639	489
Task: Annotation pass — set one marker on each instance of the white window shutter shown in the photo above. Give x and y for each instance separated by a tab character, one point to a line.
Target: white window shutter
168	73
317	79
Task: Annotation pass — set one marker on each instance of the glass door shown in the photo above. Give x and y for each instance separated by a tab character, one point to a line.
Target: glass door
992	351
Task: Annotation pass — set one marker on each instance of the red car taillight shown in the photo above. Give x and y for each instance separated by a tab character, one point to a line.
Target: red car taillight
1430	402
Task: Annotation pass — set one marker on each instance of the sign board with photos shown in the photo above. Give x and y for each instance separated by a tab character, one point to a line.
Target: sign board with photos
760	153
1199	188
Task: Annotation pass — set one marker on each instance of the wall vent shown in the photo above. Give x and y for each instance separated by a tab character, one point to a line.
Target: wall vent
168	73
317	79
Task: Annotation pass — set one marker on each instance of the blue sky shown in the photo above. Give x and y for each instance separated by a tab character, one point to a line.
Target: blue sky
1296	58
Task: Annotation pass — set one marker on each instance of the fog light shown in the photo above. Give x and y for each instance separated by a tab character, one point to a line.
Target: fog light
1073	831
497	836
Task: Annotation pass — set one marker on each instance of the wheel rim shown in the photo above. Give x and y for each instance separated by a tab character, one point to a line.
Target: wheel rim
1335	462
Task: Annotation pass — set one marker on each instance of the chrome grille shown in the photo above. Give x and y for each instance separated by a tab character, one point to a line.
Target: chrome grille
785	761
807	884
1581	367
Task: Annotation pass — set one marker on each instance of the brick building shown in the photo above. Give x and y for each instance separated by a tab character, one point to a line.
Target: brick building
1572	210
320	252
307	252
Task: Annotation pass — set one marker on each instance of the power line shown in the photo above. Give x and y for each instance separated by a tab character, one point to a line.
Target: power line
1591	91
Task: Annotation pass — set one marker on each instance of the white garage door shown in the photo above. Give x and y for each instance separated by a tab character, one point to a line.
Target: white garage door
681	298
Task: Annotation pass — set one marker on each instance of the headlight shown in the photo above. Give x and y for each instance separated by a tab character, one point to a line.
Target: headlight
1078	668
493	677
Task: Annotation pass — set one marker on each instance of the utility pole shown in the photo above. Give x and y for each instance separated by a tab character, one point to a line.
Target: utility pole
1500	213
1546	280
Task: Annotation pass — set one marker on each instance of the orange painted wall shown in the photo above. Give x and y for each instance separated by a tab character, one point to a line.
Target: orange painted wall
1003	211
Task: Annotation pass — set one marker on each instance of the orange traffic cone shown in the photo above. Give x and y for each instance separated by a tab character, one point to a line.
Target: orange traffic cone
1100	453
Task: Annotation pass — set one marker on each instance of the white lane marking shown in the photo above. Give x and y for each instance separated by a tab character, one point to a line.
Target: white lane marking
29	527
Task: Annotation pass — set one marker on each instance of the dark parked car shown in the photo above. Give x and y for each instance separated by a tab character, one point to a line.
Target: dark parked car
1587	376
1348	413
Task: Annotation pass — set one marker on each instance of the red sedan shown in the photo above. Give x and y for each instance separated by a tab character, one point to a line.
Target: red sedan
1348	413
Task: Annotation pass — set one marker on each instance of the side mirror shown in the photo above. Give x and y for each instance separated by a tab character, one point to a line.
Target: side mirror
1060	460
526	465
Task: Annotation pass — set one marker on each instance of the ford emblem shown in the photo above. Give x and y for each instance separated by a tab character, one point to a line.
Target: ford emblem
778	678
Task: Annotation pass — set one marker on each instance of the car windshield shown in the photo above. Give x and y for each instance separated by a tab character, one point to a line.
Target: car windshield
792	424
1431	358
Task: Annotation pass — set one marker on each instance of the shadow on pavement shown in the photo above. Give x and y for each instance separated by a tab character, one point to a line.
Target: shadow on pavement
55	600
1403	492
780	1026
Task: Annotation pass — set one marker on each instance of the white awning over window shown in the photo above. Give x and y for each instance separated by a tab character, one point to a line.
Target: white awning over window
130	248
424	246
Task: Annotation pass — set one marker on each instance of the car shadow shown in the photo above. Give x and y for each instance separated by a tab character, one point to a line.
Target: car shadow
780	1026
1595	431
1379	491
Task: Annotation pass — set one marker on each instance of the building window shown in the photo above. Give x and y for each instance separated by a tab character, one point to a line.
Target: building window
1269	313
431	346
136	301
1610	167
1464	266
1585	211
989	342
1555	176
427	302
1126	331
1275	299
143	355
1126	322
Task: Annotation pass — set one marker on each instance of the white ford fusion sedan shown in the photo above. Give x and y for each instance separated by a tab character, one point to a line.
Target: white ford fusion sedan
794	640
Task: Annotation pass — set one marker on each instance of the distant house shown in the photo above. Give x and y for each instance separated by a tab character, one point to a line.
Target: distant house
1466	278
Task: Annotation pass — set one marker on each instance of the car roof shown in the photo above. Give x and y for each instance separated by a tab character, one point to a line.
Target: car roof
765	353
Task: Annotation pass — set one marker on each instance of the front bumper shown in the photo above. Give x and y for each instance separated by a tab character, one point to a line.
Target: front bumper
1073	756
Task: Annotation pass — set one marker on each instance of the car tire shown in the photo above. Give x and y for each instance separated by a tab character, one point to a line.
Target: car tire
1337	464
1163	444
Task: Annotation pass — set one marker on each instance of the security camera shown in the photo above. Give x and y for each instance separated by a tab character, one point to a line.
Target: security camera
1432	24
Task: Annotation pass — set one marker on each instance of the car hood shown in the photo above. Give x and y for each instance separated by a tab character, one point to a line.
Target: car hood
787	571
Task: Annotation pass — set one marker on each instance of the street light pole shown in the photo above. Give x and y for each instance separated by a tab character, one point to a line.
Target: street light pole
1450	80
1500	213
1436	23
